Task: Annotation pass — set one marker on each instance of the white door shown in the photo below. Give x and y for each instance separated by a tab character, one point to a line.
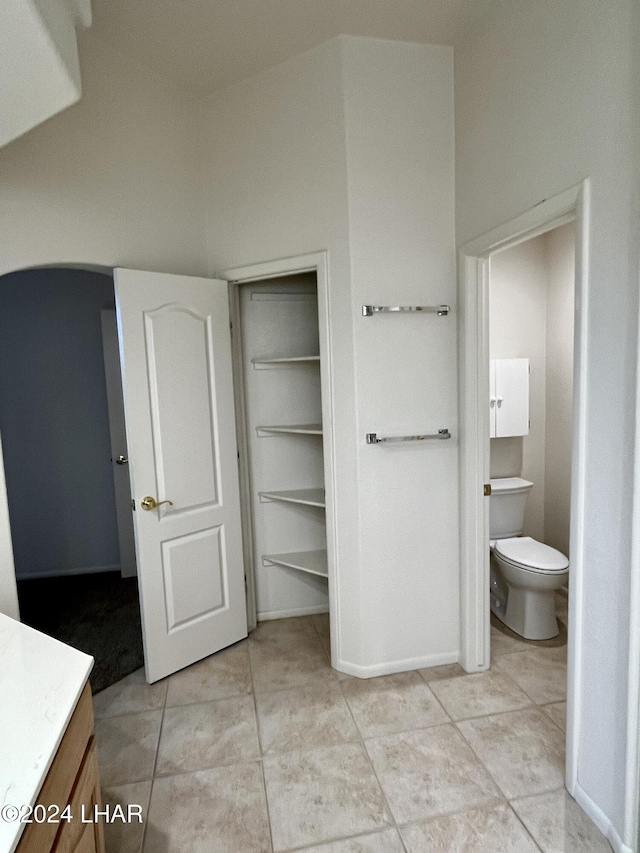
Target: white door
492	399
512	396
179	408
119	452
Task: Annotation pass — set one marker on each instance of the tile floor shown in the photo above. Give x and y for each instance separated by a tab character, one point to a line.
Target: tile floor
263	747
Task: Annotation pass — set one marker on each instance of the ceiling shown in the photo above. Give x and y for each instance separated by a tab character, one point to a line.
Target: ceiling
204	45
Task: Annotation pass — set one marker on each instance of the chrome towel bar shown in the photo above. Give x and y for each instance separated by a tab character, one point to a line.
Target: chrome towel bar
370	310
374	438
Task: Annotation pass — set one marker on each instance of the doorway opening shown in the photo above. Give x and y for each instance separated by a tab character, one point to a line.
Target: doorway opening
281	376
69	500
530	309
475	261
280	405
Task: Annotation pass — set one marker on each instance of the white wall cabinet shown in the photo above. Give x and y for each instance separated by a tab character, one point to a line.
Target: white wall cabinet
509	397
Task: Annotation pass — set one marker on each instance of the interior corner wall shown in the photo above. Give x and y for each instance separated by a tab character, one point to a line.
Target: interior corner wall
544	99
54	422
517	329
112	181
400	149
348	148
560	251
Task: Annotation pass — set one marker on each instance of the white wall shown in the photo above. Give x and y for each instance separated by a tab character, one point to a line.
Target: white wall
38	61
277	187
560	250
113	180
517	324
54	422
399	134
543	100
349	148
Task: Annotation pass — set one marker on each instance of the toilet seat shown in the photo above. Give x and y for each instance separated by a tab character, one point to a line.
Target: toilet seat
526	553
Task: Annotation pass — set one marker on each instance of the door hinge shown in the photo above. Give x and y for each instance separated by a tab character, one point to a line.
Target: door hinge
487	490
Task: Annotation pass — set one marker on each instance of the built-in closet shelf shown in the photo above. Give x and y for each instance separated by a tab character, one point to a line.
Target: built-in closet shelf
308	497
265	363
312	562
299	429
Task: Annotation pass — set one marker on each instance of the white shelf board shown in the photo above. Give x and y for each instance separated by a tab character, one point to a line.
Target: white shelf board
308	497
265	363
300	429
312	562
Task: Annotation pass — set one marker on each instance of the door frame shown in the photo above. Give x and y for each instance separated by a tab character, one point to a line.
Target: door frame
316	262
474	260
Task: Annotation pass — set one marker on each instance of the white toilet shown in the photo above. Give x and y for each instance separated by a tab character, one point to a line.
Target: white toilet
524	573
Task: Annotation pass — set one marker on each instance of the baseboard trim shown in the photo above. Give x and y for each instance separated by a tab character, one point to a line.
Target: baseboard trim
406	665
266	616
601	820
59	573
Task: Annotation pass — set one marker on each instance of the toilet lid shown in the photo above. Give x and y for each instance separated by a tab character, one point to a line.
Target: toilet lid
527	552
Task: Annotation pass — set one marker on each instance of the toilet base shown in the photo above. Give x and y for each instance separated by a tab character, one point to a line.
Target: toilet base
529	614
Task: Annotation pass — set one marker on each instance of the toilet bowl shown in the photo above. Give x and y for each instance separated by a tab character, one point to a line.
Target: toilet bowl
524	577
525	573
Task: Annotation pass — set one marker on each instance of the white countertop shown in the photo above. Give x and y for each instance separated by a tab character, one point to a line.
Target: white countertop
41	681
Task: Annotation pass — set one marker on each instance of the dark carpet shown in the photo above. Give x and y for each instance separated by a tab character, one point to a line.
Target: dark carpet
98	614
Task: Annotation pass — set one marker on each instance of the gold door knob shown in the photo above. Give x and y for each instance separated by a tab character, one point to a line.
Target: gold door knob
151	503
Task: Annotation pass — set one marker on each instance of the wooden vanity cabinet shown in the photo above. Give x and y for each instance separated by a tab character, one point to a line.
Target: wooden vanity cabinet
72	779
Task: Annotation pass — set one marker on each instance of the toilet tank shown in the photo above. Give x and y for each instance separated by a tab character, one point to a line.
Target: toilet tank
506	509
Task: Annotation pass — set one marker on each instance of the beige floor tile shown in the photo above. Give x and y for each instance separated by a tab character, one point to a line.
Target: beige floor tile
493	830
506	641
286	657
387	841
129	696
127	747
558	713
279	628
221	810
478	695
195	737
126	837
505	644
430	772
541	673
305	717
559	825
321	622
322	794
447	670
392	703
227	673
523	750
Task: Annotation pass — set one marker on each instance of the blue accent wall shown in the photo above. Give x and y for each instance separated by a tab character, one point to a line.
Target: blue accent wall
54	421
